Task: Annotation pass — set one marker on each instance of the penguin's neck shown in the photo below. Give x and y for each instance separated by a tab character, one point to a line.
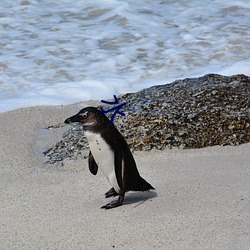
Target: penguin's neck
95	127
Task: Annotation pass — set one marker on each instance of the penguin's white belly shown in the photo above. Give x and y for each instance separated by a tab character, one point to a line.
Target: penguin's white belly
104	157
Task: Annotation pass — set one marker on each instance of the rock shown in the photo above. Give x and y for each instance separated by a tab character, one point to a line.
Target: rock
190	113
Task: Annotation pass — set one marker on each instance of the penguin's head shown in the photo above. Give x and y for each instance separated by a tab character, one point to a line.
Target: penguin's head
89	117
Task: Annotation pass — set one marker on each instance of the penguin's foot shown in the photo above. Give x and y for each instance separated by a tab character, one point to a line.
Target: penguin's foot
113	204
111	193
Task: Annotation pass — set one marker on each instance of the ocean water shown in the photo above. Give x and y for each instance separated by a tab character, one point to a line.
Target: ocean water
61	52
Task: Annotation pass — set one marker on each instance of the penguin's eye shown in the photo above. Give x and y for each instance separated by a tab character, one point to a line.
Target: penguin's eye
84	115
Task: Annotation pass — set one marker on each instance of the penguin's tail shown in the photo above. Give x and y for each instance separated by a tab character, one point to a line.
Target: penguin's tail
141	185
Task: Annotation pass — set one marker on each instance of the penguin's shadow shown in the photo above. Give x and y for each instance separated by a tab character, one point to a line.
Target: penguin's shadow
137	198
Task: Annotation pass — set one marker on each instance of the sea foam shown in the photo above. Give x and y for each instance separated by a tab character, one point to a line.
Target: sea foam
63	52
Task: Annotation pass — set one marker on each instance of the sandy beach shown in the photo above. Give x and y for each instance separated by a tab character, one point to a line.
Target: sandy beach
201	198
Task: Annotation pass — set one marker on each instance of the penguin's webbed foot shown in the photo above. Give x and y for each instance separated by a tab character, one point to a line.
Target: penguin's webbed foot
113	204
111	193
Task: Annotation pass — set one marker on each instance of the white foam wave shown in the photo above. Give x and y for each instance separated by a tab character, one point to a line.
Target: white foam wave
63	52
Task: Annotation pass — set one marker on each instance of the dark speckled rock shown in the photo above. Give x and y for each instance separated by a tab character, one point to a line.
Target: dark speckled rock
190	113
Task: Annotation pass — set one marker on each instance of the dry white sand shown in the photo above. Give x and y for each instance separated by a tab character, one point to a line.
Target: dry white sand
201	201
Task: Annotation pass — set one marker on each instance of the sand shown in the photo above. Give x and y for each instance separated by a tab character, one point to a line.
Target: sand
201	200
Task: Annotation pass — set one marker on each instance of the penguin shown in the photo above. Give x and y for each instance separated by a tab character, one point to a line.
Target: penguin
110	152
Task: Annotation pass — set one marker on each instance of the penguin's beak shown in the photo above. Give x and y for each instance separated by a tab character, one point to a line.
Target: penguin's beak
74	118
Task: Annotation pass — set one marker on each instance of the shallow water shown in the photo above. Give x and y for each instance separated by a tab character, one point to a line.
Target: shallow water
63	52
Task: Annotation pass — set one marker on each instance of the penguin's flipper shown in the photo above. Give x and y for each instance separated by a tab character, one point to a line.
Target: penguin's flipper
111	193
118	166
93	167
